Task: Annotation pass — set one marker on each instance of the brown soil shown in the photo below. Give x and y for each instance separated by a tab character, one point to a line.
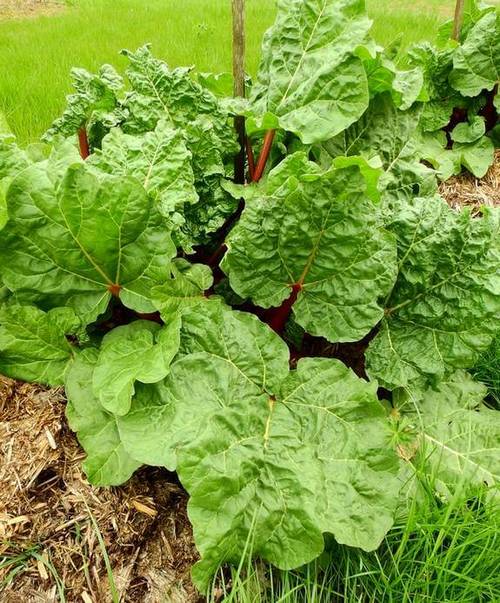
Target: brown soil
13	9
47	506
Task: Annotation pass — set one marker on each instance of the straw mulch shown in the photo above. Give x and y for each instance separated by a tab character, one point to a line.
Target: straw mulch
467	191
48	509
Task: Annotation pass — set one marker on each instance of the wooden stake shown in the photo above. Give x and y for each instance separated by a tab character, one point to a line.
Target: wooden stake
239	83
457	21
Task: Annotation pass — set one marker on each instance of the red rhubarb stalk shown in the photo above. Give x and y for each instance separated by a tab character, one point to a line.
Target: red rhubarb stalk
264	155
83	142
250	158
281	314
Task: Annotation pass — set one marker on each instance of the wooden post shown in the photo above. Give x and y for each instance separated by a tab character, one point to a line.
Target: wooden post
457	21
239	83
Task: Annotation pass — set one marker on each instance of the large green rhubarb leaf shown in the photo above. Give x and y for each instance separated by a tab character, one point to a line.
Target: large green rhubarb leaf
316	234
245	472
84	242
476	63
444	308
107	462
34	345
141	351
159	159
92	105
456	438
311	81
241	428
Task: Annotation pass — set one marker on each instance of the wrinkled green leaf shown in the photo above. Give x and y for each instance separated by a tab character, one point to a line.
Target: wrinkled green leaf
310	81
407	87
158	427
436	114
436	64
184	289
92	104
318	232
159	93
159	159
383	76
107	462
34	344
443	310
246	478
140	351
469	131
389	134
456	438
215	205
84	241
476	63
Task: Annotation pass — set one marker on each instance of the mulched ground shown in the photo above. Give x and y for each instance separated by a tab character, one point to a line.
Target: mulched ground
46	504
467	191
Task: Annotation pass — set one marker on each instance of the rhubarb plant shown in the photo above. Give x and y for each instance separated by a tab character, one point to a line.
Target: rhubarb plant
295	348
461	82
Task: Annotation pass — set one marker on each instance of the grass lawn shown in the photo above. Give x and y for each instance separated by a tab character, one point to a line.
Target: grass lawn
37	53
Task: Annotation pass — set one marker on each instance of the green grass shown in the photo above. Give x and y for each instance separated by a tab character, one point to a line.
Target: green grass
37	54
448	554
15	561
487	370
